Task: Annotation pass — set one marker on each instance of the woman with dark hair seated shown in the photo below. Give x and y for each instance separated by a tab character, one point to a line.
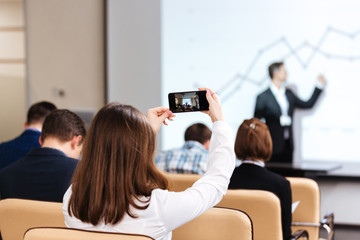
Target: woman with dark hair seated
117	188
253	145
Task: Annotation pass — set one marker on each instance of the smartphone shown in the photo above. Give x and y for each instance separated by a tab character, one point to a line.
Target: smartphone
188	101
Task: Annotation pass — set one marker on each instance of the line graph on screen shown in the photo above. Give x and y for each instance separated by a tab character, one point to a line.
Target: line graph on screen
230	87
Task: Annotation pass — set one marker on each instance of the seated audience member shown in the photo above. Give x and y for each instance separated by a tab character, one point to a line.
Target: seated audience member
117	187
192	158
45	173
253	145
17	148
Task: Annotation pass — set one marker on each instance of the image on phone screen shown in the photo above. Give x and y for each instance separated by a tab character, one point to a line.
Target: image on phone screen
188	101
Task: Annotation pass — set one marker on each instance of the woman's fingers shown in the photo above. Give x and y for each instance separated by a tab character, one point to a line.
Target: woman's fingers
215	109
157	116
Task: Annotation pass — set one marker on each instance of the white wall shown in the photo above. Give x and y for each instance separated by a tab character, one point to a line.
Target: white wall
65	52
343	198
134	53
12	69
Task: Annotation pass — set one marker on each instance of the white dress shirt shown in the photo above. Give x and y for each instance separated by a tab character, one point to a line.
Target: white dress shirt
169	210
279	93
280	96
254	162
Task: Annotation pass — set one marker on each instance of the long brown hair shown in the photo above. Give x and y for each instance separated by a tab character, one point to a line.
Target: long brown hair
253	141
116	168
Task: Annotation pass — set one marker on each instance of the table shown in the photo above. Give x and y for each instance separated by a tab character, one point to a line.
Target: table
303	169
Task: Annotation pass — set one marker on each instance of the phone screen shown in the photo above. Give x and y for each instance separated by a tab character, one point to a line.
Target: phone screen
188	101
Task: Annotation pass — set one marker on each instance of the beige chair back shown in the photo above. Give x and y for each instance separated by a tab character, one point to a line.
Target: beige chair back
217	223
263	207
308	211
76	234
18	215
180	182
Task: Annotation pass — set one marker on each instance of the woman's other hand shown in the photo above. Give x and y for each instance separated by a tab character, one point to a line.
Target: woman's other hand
157	116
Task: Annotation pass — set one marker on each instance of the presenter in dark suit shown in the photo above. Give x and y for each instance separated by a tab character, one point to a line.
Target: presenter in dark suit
276	106
45	173
17	148
253	146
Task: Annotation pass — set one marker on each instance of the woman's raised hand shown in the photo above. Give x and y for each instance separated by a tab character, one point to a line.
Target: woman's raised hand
215	109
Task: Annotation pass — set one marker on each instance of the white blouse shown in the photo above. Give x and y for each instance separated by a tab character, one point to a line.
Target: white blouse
169	210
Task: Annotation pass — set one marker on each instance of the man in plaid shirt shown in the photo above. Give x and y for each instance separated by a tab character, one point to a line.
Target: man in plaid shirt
192	157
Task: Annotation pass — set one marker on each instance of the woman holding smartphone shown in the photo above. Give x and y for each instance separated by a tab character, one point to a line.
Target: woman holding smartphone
116	186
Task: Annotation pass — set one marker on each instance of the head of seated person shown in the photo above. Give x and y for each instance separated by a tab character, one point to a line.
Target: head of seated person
253	146
253	141
200	133
192	157
65	131
37	113
18	147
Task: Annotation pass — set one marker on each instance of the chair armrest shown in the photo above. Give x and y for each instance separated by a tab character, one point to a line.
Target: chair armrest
328	224
299	234
328	219
305	224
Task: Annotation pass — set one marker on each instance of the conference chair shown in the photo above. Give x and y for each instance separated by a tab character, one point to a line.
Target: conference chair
263	207
217	223
307	213
18	215
180	182
77	234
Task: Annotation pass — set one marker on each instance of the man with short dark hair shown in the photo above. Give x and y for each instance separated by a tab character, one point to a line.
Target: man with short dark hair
45	173
276	106
17	148
192	157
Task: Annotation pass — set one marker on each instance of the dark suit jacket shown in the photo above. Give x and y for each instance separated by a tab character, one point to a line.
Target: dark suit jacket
17	148
43	174
268	108
250	176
